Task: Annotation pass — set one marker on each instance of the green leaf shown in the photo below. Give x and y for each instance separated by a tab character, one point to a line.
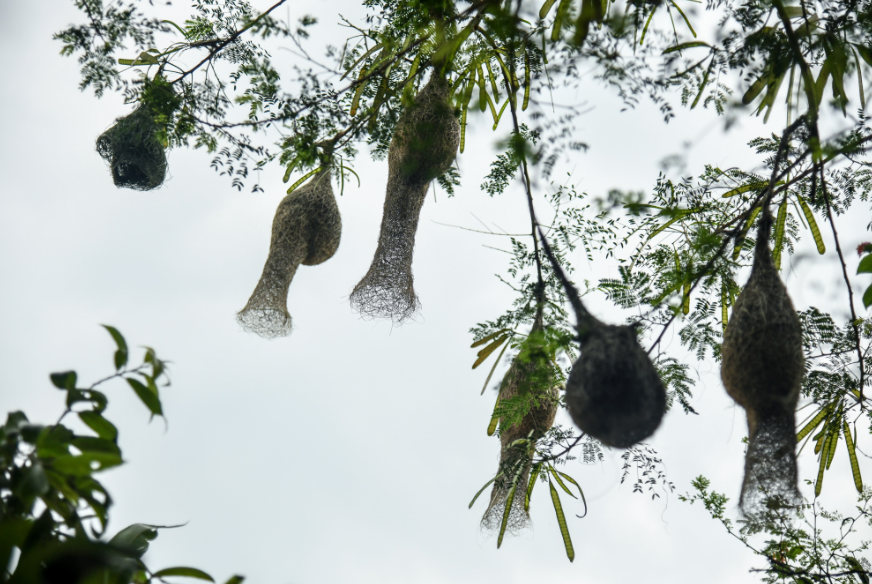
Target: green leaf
748	187
481	490
866	53
186	572
103	427
831	447
235	580
64	380
495	418
121	354
852	454
96	445
687	45
756	88
865	266
546	8
867	297
741	239
510	499
561	521
148	397
134	538
488	338
494	368
34	482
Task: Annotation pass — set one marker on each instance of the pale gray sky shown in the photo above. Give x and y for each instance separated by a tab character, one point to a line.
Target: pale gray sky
349	451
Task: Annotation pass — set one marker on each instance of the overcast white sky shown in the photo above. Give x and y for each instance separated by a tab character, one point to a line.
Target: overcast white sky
347	452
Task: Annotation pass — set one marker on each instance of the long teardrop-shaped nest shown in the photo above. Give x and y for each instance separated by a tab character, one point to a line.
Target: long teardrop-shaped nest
762	368
306	230
424	145
519	379
133	151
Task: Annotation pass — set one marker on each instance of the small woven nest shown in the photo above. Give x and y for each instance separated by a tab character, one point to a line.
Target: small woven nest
424	145
306	230
133	151
762	367
614	393
521	378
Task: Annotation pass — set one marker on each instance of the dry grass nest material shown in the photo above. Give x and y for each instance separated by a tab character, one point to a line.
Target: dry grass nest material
133	151
519	379
306	230
762	367
424	145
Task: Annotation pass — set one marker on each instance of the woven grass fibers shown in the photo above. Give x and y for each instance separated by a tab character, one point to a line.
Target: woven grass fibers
522	378
762	368
306	230
135	156
614	393
424	145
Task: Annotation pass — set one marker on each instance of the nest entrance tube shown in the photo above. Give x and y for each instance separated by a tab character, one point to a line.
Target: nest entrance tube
613	393
133	151
306	230
762	368
423	147
515	462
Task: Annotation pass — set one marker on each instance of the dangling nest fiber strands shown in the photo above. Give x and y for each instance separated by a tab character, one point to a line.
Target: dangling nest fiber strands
423	147
306	230
135	154
762	367
521	378
613	393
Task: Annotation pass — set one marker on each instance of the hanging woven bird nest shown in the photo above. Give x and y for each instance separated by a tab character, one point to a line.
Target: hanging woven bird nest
135	154
306	230
424	145
613	393
762	367
522	377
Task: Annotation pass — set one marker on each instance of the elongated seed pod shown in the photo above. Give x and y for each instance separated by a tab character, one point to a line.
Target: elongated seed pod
762	367
306	230
522	378
133	151
423	147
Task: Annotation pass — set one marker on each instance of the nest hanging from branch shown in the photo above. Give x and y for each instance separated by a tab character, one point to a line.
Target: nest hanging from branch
135	155
762	367
306	230
424	145
522	378
614	392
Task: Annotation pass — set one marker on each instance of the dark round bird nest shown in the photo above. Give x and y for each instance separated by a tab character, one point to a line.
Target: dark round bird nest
424	145
133	151
614	393
762	368
306	230
522	378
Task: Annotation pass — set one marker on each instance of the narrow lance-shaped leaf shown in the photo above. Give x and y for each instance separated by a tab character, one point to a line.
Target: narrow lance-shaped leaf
852	454
812	225
495	419
534	474
373	49
526	101
687	45
355	101
546	8
183	571
562	10
580	491
122	353
488	338
561	521
779	233
702	84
